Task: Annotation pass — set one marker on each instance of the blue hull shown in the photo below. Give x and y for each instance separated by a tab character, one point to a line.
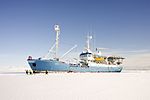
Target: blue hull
54	65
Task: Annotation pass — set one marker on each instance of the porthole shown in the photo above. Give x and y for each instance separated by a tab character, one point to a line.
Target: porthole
34	64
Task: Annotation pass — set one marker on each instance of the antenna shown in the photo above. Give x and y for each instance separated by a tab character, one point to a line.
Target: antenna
57	29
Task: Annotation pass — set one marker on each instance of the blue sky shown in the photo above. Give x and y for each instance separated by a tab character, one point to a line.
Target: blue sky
26	26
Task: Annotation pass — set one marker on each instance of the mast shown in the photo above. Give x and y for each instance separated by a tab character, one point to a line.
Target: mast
57	29
88	42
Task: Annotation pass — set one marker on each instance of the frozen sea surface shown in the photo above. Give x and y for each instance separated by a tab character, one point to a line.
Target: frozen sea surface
127	85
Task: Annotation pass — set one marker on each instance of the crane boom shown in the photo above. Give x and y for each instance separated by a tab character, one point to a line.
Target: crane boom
68	51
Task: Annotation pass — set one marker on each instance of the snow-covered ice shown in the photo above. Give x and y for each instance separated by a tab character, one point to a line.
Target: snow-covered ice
75	86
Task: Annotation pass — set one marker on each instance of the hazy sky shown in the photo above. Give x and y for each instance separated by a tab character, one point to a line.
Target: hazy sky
26	26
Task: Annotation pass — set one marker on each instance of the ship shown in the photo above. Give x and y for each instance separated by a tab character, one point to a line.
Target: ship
88	61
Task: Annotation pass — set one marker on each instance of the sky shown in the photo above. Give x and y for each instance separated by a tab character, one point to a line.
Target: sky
27	28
